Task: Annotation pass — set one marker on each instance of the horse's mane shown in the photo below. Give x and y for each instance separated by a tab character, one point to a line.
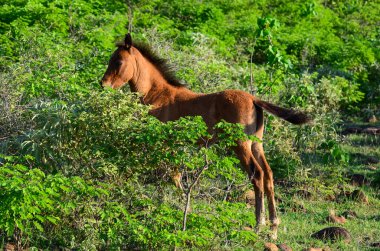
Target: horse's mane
161	64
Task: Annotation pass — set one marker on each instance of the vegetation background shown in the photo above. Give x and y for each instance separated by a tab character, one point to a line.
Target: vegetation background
83	168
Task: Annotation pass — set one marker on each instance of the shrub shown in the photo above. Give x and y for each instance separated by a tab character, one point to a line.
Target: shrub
33	202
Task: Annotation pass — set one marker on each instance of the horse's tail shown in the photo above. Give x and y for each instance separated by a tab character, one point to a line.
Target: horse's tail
293	116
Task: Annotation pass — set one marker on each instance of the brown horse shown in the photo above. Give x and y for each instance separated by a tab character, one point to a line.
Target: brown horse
150	76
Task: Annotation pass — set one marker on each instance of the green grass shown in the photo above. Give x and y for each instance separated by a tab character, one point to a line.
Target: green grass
297	224
296	227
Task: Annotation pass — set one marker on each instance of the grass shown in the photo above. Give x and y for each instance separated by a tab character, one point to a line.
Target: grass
302	217
296	227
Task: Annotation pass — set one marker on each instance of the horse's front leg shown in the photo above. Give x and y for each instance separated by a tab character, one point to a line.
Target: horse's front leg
176	176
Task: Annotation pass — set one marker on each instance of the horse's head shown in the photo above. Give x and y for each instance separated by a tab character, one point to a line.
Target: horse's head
120	68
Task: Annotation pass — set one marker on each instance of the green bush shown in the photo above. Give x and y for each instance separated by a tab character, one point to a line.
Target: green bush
33	202
109	138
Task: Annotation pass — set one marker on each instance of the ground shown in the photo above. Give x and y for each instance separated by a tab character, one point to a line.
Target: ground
304	213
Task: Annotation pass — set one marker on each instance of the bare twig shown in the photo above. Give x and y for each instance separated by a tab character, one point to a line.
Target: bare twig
228	191
130	16
251	80
188	193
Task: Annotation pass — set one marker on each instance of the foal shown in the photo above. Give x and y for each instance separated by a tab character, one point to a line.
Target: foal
150	76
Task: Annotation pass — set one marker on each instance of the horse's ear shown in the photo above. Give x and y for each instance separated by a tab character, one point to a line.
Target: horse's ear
128	41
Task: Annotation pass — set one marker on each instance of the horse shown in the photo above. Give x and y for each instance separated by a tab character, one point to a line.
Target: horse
150	76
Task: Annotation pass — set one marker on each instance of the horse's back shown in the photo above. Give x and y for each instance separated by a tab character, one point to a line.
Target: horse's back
235	106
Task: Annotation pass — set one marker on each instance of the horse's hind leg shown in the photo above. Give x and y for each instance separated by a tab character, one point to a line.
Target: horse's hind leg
258	152
256	176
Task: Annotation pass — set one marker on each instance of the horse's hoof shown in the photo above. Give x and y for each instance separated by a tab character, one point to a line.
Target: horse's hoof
262	222
273	233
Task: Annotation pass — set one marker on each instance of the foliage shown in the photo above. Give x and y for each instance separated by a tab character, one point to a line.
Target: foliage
100	163
32	200
334	152
108	137
158	226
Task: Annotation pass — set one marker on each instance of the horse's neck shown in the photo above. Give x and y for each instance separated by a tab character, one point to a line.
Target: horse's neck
141	81
162	93
154	88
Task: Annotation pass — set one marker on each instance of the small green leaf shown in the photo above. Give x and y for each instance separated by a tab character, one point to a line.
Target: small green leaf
38	226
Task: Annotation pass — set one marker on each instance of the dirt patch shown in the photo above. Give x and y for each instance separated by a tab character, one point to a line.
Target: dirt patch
357	195
372	160
372	130
317	249
284	247
358	180
375	245
304	194
336	219
332	234
9	247
270	247
349	214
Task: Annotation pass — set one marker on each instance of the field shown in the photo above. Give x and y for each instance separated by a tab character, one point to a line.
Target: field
305	216
87	168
